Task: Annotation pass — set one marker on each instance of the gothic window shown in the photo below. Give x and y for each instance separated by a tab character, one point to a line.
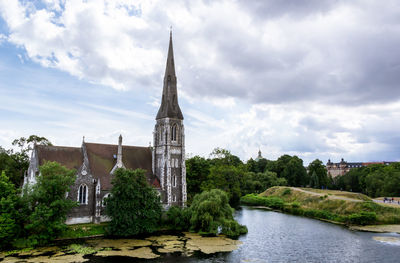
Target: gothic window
103	203
174	181
173	133
83	194
174	198
176	163
98	189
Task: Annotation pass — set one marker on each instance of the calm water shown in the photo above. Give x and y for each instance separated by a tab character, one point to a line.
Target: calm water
277	237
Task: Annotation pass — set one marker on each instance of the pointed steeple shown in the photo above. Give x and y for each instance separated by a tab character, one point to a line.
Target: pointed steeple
169	103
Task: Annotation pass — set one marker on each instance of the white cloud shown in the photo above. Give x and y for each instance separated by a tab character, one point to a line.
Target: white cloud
288	80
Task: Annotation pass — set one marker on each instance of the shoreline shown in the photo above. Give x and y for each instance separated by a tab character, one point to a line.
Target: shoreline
367	228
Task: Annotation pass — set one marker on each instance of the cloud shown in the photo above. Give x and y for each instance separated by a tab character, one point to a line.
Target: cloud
312	78
275	52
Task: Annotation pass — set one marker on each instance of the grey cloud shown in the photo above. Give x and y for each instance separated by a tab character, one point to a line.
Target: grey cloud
295	8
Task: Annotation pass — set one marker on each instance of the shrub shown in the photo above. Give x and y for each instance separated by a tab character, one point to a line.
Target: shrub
362	218
287	191
178	218
295	204
270	201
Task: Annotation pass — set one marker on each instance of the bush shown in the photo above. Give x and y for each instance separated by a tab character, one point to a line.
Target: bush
270	201
322	214
134	206
178	218
362	218
287	191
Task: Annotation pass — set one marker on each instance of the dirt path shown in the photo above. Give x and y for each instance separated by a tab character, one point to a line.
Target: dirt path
394	204
329	196
332	196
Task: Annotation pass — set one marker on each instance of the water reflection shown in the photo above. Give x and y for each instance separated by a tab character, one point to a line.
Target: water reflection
277	237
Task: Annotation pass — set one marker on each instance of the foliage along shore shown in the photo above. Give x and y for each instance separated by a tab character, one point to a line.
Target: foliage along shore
340	210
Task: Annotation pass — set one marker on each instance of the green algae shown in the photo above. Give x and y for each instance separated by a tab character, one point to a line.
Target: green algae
148	248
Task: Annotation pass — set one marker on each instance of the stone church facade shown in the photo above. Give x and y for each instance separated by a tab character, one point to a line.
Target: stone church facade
95	163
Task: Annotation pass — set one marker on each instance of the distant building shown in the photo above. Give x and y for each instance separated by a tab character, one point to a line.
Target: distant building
259	157
336	169
95	163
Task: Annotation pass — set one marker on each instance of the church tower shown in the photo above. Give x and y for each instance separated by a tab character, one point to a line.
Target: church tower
169	140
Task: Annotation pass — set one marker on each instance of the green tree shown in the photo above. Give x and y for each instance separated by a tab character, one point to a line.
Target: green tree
15	163
197	171
294	172
224	157
47	203
318	168
227	178
134	206
9	217
211	213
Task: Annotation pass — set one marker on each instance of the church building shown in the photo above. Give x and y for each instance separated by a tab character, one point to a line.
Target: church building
95	163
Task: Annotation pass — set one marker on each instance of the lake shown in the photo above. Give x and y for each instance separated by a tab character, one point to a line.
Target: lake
278	237
272	237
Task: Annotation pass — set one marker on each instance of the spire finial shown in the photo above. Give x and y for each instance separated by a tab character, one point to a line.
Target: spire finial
83	138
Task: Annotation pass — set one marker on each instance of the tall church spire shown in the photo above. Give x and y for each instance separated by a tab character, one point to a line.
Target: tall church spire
169	103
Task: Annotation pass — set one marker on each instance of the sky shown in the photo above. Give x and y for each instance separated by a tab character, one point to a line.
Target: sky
316	79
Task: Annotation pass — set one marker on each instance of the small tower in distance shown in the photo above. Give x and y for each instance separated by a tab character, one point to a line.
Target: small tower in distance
169	140
259	155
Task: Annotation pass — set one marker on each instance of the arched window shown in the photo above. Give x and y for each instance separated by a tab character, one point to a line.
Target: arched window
173	133
83	194
103	203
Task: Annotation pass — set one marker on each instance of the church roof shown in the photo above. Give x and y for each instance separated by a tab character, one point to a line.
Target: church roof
102	159
70	157
169	102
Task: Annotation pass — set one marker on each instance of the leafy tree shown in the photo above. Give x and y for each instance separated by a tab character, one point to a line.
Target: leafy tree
257	183
211	213
15	163
134	206
227	178
224	157
258	166
294	172
26	145
197	171
317	167
314	180
9	218
47	203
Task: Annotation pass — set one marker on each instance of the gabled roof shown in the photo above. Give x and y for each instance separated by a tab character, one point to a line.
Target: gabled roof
70	157
102	158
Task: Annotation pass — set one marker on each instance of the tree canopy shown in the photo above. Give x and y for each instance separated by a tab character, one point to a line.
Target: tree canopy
133	206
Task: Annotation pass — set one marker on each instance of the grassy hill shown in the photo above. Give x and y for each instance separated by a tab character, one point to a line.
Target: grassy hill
339	206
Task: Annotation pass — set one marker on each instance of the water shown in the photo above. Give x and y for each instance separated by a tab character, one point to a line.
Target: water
277	237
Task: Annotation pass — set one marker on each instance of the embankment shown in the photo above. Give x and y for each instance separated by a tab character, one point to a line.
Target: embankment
336	206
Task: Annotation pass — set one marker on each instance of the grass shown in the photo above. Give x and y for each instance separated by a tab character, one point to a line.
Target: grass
351	195
324	207
83	230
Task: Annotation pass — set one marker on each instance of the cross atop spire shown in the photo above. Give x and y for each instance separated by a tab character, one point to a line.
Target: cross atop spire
169	103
